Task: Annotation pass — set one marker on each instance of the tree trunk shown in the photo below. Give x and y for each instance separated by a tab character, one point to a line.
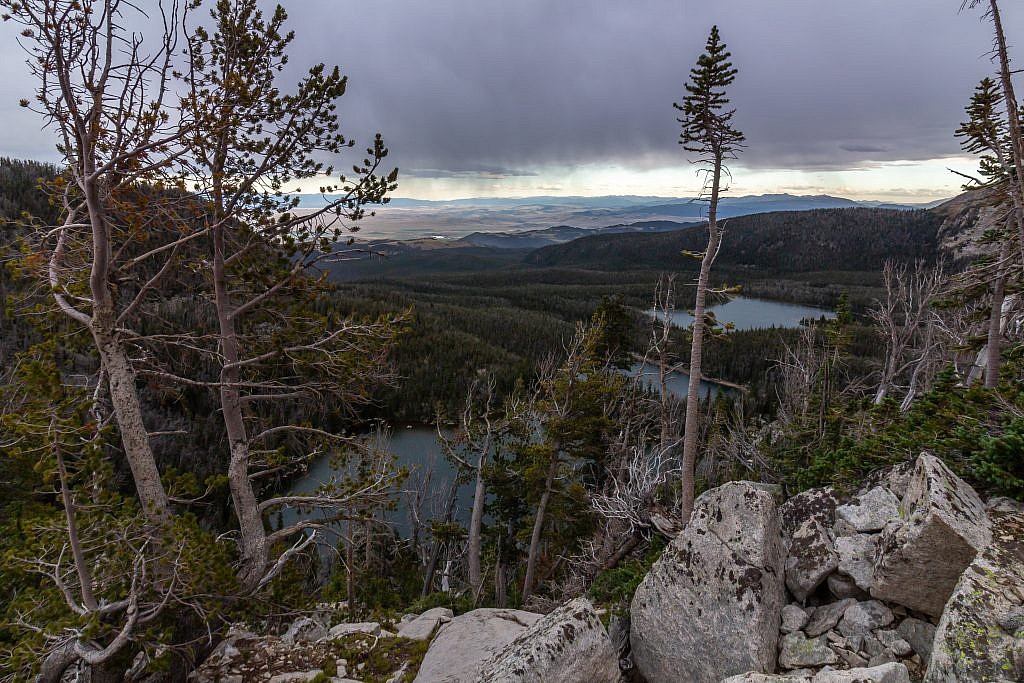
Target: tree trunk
625	549
993	344
124	398
665	403
915	376
124	395
53	666
74	541
476	581
888	373
350	586
825	401
500	580
538	527
696	349
1013	119
252	533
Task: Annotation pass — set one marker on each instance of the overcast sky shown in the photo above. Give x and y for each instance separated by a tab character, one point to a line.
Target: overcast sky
516	97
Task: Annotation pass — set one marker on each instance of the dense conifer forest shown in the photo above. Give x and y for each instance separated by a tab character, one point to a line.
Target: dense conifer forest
855	239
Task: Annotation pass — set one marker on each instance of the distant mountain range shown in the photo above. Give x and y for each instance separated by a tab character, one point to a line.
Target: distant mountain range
853	239
559	234
838	239
530	222
781	202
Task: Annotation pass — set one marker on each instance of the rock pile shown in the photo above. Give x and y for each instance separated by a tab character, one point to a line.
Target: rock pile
308	650
911	578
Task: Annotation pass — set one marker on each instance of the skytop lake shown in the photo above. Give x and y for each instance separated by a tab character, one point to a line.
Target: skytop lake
745	314
754	314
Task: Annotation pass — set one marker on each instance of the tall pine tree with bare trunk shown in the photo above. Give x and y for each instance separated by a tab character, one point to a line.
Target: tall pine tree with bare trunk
1012	161
708	132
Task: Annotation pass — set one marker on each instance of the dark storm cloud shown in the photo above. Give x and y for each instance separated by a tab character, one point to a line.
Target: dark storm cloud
474	171
478	87
867	149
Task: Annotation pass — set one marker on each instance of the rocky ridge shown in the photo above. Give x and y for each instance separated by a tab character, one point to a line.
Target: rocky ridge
912	578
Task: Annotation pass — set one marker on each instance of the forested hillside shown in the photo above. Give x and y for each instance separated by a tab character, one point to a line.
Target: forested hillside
505	311
793	241
19	196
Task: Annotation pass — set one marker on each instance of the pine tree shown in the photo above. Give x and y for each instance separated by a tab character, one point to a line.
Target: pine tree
707	131
1013	161
987	134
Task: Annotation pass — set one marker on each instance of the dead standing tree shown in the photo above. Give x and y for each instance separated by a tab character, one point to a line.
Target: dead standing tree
659	351
642	463
643	456
906	319
480	432
707	131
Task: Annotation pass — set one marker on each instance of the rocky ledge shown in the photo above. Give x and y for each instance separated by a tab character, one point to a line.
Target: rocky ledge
912	578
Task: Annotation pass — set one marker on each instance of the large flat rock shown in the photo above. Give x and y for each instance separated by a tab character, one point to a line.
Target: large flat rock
980	636
569	645
918	562
461	646
711	605
422	627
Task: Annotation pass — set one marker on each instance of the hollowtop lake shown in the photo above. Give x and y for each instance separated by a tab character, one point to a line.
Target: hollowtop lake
416	447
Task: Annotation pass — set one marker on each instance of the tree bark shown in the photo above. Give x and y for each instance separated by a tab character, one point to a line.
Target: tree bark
888	373
918	368
52	668
1013	119
350	586
252	533
625	549
124	395
81	567
124	398
500	580
696	348
538	527
474	541
993	344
